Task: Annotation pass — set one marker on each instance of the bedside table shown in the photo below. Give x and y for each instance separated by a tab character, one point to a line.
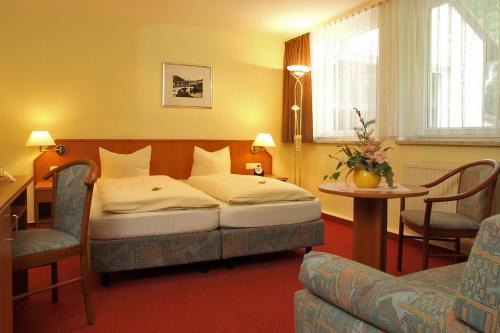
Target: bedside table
43	201
283	179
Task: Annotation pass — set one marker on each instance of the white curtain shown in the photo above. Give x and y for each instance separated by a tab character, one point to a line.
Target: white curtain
448	68
344	61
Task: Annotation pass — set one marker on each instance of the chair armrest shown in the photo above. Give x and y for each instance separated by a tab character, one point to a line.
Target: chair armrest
380	299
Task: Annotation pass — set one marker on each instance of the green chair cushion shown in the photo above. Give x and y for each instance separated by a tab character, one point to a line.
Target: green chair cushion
35	241
440	220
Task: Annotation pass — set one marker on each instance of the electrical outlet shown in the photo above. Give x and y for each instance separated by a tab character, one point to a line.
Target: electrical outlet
252	166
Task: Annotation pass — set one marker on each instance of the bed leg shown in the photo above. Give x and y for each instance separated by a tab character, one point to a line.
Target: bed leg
308	249
229	263
105	280
204	267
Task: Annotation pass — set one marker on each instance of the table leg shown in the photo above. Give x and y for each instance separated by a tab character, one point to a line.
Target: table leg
370	232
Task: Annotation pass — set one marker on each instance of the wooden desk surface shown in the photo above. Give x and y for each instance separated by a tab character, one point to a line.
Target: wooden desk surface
10	190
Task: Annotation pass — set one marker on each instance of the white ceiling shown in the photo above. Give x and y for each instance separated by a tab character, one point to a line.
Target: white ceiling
280	18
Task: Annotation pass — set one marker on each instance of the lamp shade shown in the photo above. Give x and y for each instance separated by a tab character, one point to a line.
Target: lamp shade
40	138
264	140
299	70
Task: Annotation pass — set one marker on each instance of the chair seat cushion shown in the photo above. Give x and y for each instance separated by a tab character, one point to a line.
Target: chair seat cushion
35	241
440	220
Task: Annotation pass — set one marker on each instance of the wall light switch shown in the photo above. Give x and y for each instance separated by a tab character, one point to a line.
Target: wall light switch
252	166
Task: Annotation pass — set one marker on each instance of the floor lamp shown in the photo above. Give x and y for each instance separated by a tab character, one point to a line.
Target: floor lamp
298	71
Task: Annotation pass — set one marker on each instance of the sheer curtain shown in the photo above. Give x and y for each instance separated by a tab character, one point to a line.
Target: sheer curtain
344	61
449	84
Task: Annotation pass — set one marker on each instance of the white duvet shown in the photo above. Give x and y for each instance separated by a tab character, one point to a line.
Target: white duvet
242	189
149	193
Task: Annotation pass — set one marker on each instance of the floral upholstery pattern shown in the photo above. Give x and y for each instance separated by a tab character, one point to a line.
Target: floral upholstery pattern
473	206
35	241
155	251
441	220
478	297
386	302
247	241
70	199
312	314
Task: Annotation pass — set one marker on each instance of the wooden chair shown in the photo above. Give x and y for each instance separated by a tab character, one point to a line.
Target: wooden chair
477	181
73	184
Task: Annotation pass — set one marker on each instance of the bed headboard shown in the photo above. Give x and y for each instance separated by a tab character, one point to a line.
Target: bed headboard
173	158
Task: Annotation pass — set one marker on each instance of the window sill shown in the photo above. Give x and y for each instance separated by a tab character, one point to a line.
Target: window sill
459	143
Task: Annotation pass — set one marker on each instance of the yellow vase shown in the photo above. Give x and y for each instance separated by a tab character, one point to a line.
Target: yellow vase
366	179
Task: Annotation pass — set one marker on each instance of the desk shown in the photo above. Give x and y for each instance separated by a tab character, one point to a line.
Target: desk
370	218
43	201
13	201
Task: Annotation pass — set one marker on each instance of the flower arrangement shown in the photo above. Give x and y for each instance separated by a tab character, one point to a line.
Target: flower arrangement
368	155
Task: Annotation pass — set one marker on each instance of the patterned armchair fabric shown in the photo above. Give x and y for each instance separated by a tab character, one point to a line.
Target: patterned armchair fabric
457	298
473	206
478	297
70	199
379	299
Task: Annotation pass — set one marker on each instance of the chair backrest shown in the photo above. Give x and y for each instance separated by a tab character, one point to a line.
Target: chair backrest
477	206
73	184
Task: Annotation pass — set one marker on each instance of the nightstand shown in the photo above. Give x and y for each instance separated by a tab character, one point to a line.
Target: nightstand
283	179
43	201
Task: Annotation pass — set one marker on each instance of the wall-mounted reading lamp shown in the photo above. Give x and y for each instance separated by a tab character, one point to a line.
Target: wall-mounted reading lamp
44	140
262	140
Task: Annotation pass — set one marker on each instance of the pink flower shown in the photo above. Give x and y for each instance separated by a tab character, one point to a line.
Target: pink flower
379	156
368	149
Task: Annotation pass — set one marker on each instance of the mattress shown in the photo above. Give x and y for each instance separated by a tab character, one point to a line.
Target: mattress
169	222
268	214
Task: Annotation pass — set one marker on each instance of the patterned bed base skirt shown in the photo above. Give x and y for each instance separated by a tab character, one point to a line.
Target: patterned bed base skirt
239	242
155	251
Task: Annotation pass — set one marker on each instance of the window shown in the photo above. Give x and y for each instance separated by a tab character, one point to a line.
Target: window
344	61
462	83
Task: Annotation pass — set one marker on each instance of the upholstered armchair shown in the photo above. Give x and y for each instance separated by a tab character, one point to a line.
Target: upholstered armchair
476	188
73	183
345	296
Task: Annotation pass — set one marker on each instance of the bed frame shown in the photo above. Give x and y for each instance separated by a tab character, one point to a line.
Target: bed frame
174	158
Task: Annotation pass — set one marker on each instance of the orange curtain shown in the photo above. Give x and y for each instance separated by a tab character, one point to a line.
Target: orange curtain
297	53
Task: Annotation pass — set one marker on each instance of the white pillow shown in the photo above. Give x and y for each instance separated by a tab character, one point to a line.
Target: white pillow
207	163
115	165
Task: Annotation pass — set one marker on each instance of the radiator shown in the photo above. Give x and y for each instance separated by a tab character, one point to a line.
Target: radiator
419	174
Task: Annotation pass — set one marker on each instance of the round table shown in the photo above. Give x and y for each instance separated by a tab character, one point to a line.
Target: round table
370	218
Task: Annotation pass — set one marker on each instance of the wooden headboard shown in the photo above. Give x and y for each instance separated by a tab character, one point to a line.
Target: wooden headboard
173	158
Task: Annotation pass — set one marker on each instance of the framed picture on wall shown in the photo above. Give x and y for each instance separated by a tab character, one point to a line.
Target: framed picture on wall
187	86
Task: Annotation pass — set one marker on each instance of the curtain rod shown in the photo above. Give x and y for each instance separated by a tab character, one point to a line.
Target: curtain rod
355	11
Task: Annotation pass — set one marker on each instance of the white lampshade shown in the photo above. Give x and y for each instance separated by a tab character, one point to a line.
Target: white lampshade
299	70
40	138
264	140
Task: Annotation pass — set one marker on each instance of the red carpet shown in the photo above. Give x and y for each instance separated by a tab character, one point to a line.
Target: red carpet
256	296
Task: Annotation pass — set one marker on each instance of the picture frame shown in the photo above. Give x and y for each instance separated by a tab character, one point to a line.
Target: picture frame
188	86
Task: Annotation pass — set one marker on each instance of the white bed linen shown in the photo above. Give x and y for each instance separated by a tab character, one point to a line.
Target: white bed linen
267	214
168	222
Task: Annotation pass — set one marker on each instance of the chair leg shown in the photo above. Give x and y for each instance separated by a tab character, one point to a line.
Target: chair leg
86	288
457	248
54	280
400	245
425	254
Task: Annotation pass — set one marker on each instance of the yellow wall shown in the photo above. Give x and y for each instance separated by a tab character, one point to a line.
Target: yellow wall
82	75
316	164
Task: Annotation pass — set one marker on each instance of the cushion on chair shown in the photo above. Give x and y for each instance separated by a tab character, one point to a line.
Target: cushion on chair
444	279
441	220
36	241
478	296
473	206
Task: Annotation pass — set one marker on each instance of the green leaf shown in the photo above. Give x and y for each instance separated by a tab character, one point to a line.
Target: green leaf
336	175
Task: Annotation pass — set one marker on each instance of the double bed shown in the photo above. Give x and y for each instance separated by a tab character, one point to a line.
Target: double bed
180	235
